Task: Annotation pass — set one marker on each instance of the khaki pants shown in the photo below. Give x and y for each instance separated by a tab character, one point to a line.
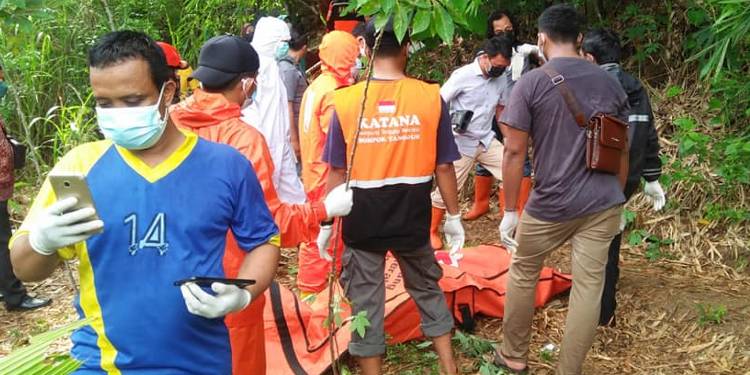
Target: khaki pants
590	236
491	159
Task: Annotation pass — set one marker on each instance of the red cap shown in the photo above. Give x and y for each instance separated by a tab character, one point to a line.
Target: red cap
174	60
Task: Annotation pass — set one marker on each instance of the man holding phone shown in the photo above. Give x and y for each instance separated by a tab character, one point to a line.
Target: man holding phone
143	182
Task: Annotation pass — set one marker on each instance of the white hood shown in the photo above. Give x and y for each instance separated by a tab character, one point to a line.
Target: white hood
268	33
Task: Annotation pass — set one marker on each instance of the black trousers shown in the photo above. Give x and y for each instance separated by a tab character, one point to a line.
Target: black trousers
612	271
11	288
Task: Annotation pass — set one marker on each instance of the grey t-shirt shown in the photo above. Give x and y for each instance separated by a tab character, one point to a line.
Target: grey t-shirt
295	83
564	189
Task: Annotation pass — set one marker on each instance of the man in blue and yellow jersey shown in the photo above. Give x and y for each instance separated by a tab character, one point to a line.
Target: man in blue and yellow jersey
165	202
405	138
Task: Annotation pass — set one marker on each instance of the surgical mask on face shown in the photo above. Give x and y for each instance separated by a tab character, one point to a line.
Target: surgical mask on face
282	49
496	71
356	69
133	128
362	51
3	89
541	47
251	99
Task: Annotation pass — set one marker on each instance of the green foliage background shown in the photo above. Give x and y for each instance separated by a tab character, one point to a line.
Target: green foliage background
692	54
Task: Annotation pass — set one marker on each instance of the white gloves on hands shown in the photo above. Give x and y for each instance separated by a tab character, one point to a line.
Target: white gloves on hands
654	191
228	299
507	228
518	59
623	221
339	201
324	238
454	233
54	229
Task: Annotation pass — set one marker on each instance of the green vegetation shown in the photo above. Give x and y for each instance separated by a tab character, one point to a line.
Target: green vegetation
710	314
35	359
691	54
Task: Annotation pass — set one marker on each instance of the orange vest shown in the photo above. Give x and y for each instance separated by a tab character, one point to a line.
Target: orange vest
398	135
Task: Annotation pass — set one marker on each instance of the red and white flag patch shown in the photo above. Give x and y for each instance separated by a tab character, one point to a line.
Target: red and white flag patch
387	106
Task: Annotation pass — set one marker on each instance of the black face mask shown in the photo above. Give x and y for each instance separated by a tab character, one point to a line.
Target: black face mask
496	71
510	34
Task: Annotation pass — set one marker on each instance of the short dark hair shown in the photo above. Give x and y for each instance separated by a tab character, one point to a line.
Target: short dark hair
297	41
389	44
603	44
498	15
360	29
119	46
562	23
498	45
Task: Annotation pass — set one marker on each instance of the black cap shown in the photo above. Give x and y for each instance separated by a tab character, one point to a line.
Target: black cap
389	35
223	58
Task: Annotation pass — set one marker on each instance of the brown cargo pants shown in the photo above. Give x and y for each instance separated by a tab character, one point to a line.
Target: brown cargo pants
590	236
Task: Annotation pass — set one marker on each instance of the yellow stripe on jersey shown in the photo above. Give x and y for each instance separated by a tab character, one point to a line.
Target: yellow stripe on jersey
91	309
153	174
77	160
275	240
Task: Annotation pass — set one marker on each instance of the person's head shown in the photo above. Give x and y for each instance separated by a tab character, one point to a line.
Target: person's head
131	84
174	62
500	21
495	55
271	37
297	44
228	65
390	48
560	26
359	34
601	46
247	31
338	53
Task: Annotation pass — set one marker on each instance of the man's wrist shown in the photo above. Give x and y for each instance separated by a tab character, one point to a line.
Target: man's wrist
39	249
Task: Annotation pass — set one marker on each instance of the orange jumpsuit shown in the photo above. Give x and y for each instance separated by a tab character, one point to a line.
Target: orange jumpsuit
214	118
338	55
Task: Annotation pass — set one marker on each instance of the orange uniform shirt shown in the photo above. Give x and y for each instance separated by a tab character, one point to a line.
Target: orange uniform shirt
214	118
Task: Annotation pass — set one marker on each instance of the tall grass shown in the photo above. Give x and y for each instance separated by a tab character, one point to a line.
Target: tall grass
43	53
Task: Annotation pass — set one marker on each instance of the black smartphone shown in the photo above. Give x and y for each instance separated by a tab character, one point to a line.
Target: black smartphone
207	281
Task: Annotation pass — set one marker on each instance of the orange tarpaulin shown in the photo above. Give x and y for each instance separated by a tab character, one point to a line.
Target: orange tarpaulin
297	341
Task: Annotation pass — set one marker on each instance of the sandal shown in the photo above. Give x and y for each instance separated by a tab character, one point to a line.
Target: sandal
499	361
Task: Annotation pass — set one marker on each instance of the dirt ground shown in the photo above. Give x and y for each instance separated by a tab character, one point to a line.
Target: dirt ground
658	322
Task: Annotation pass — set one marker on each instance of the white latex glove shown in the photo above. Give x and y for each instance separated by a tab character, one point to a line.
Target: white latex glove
654	191
454	233
623	221
507	228
324	238
518	59
53	230
339	201
228	299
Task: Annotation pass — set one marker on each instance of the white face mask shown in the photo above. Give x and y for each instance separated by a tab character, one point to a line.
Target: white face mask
133	128
248	100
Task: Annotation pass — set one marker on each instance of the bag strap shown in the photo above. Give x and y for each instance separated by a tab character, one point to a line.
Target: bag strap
570	100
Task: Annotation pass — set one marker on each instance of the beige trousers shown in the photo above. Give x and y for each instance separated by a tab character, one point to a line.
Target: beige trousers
491	159
590	236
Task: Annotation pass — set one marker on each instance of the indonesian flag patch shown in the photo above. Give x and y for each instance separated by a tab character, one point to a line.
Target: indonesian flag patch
387	106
